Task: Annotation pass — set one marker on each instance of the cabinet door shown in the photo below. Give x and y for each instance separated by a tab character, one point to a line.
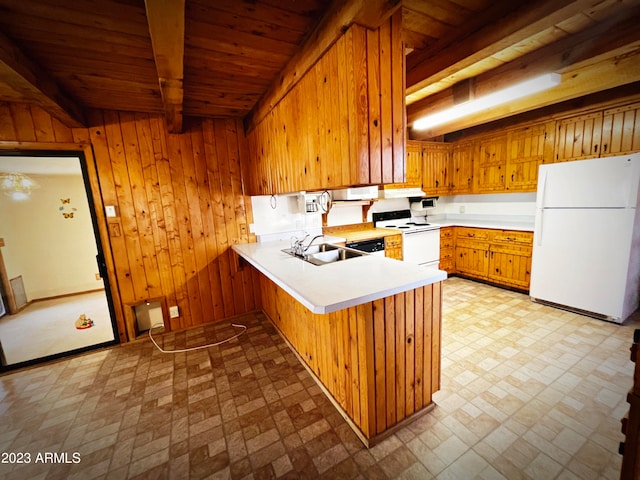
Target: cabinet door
579	137
492	162
462	167
621	130
413	167
510	265
527	149
472	258
436	168
393	246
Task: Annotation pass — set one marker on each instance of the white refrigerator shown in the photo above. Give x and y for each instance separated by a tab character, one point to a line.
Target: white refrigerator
586	245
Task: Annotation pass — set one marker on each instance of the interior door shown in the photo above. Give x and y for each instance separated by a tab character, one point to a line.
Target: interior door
51	241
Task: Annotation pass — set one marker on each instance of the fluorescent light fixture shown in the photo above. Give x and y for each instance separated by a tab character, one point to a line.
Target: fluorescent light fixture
520	90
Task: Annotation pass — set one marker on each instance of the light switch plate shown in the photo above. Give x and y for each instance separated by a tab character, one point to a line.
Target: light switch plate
110	210
174	312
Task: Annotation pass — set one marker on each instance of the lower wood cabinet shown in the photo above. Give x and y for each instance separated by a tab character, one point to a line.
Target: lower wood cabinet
393	246
447	261
502	257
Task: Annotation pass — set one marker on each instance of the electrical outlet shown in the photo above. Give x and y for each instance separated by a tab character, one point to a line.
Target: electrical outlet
98	277
174	312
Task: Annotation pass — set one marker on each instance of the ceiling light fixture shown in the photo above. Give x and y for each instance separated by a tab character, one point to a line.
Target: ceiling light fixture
17	186
520	90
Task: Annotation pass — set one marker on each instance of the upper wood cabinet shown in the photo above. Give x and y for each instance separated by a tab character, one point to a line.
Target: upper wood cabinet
527	149
461	167
579	137
413	166
435	161
491	163
342	124
621	130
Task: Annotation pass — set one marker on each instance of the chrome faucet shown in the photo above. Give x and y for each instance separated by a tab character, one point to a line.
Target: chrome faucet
297	244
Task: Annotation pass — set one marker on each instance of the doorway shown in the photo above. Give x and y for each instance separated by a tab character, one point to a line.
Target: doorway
55	287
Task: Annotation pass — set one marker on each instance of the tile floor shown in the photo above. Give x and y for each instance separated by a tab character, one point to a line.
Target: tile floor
528	392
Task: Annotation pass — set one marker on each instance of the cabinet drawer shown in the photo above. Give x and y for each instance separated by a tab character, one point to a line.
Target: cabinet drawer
512	237
446	253
474	233
446	232
446	243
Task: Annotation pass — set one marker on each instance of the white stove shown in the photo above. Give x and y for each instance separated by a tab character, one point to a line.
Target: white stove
402	220
420	239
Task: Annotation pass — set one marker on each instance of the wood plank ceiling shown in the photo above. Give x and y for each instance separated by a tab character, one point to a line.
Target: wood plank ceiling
237	56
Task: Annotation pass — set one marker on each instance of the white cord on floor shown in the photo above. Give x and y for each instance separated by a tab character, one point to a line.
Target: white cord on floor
235	325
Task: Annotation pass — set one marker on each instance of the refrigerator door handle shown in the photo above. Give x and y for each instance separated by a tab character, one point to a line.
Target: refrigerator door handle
538	226
542	183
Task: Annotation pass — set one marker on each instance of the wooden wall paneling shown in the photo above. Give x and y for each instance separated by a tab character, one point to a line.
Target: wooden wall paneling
375	101
399	303
131	263
237	221
398	84
321	73
359	85
43	125
140	205
7	128
186	295
176	293
387	98
436	336
409	345
419	347
123	285
390	352
223	217
177	214
23	122
61	132
428	318
196	184
338	157
154	158
380	361
355	363
245	213
343	108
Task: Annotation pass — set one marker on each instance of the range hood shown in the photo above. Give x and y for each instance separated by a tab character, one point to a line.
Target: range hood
356	193
401	192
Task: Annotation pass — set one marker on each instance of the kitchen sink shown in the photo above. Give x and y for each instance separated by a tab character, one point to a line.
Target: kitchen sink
325	253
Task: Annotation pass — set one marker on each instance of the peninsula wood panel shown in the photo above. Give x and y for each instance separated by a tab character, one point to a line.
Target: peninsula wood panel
179	200
380	361
340	125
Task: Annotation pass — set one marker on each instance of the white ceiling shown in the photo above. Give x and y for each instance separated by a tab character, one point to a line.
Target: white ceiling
40	165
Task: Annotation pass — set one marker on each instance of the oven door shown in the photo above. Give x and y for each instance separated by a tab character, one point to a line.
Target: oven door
422	247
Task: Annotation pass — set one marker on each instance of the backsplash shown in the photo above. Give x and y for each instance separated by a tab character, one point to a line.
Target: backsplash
500	204
279	217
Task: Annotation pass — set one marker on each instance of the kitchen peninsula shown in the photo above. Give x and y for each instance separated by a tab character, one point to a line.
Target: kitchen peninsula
368	329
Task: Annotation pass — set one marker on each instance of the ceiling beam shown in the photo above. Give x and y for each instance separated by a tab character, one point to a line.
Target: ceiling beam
341	15
35	85
448	57
602	57
166	27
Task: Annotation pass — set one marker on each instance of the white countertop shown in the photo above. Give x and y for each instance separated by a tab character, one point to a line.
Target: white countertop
336	286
